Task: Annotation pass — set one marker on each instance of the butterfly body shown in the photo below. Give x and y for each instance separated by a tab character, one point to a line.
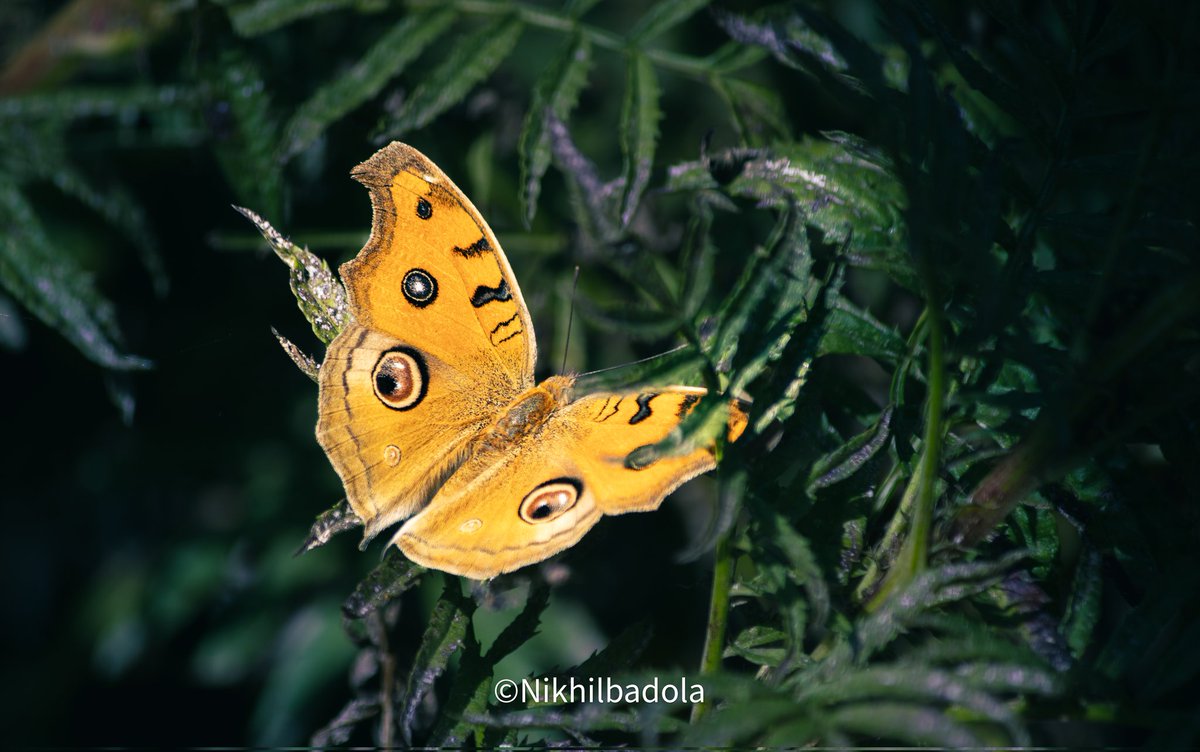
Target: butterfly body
526	414
428	407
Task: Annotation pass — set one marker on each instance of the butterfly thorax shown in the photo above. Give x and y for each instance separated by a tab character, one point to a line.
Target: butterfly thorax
525	413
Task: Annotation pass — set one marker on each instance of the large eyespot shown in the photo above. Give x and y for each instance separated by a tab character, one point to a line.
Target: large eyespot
420	287
400	378
549	500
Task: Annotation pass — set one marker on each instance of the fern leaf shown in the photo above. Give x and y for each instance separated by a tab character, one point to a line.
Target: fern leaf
247	152
555	96
320	296
639	131
901	722
472	60
394	575
48	283
398	47
260	16
444	632
664	16
73	104
852	331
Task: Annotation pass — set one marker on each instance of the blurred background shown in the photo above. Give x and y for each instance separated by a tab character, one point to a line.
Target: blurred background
159	463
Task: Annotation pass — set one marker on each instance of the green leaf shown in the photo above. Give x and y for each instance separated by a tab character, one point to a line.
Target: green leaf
619	654
852	331
246	152
398	47
639	131
337	519
388	581
320	296
899	722
759	319
753	645
86	102
338	731
698	262
121	209
471	61
473	686
556	94
52	286
664	16
758	112
852	456
39	154
735	725
261	16
523	626
913	684
444	633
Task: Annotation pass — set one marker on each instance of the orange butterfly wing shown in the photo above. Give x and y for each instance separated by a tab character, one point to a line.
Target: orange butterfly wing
432	270
441	341
485	520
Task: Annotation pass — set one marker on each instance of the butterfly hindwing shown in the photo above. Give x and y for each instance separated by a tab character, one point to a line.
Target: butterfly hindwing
505	510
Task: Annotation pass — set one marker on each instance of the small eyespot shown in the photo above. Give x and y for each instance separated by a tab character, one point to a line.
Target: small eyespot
470	525
550	500
420	287
400	379
391	455
424	209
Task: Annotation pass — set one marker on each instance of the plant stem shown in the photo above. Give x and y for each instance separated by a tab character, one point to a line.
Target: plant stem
718	614
919	494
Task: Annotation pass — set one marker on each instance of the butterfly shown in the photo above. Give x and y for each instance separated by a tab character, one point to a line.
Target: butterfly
428	407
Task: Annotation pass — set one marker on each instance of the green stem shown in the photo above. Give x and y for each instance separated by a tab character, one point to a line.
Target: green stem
920	493
923	517
718	614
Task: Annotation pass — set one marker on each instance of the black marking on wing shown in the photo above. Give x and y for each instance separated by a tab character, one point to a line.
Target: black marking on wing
484	294
505	322
478	247
346	389
685	407
501	342
599	414
424	209
644	411
615	410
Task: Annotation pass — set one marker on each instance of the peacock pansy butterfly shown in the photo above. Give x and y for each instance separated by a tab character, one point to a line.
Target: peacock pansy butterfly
428	407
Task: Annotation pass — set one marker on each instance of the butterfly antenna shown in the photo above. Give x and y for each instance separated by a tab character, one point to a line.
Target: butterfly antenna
570	319
635	362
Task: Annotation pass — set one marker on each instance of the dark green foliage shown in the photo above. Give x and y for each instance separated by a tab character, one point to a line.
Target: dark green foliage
942	255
